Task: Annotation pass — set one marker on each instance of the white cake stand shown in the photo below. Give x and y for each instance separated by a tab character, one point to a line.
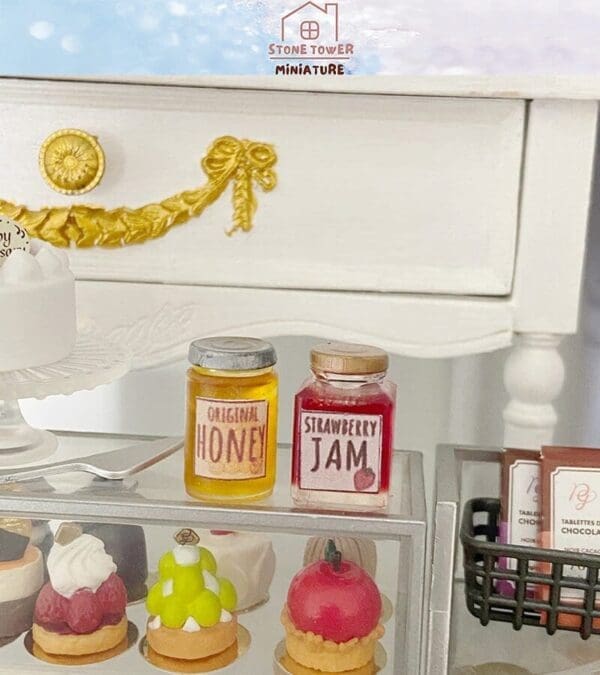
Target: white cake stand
90	364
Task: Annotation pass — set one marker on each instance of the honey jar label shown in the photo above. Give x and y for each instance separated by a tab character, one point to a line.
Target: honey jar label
231	438
340	452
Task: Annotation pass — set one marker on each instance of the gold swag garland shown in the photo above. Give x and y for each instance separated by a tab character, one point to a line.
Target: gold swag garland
227	159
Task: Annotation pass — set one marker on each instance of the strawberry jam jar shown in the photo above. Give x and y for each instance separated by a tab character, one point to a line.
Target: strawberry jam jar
343	429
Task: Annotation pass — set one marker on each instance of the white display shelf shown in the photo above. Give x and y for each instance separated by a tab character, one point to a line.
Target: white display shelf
156	499
262	623
457	643
157	495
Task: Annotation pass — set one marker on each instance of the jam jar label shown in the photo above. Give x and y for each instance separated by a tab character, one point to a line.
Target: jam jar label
231	438
340	452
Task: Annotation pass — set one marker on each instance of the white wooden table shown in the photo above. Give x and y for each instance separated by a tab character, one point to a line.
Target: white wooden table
435	218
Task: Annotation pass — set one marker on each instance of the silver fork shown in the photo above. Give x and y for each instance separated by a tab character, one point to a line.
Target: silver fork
112	465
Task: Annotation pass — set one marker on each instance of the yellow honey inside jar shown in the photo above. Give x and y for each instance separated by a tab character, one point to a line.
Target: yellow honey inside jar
231	421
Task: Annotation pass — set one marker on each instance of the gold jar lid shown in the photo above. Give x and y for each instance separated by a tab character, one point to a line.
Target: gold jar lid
345	358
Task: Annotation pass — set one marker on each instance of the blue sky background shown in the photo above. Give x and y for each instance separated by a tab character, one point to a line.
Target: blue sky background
186	37
198	37
130	36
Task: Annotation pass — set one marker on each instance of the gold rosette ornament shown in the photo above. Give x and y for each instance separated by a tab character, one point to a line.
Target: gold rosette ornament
242	162
71	161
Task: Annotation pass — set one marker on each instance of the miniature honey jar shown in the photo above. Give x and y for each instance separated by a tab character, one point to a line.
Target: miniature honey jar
343	429
231	426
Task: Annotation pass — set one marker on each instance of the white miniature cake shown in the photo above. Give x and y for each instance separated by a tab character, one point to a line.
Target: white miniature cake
246	559
37	306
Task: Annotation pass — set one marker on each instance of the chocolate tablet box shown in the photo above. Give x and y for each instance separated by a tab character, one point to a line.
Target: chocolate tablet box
570	515
520	515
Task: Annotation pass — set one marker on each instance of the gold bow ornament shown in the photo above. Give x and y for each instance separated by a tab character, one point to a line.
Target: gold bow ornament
228	159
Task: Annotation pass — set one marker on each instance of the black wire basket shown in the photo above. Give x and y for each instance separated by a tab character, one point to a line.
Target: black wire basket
523	595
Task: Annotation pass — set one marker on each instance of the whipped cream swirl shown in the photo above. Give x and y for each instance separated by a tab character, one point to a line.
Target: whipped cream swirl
83	563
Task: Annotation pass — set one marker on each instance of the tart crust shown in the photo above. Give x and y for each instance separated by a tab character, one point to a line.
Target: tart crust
295	668
70	644
180	644
313	651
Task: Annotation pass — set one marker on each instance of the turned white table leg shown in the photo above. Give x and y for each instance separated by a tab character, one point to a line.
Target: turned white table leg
533	376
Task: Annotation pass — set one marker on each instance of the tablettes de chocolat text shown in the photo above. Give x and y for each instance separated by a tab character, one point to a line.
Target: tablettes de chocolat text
570	515
520	505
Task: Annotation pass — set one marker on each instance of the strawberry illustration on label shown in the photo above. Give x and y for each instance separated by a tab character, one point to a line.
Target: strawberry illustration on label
363	479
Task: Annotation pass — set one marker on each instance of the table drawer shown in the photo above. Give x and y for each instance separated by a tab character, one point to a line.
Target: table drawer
375	192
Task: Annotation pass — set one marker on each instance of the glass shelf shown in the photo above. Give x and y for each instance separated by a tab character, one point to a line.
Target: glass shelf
156	499
157	495
262	623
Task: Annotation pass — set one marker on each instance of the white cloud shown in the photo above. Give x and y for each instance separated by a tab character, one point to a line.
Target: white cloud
41	30
70	44
177	8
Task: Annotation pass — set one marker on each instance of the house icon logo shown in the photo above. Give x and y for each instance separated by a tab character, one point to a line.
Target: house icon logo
310	22
309	42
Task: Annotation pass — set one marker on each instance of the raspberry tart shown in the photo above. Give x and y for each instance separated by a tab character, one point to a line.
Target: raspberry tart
81	610
191	608
331	617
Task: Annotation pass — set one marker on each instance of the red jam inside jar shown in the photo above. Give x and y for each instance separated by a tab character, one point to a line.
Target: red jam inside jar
343	429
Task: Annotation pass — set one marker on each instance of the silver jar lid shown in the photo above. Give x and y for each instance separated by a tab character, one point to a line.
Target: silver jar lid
232	353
